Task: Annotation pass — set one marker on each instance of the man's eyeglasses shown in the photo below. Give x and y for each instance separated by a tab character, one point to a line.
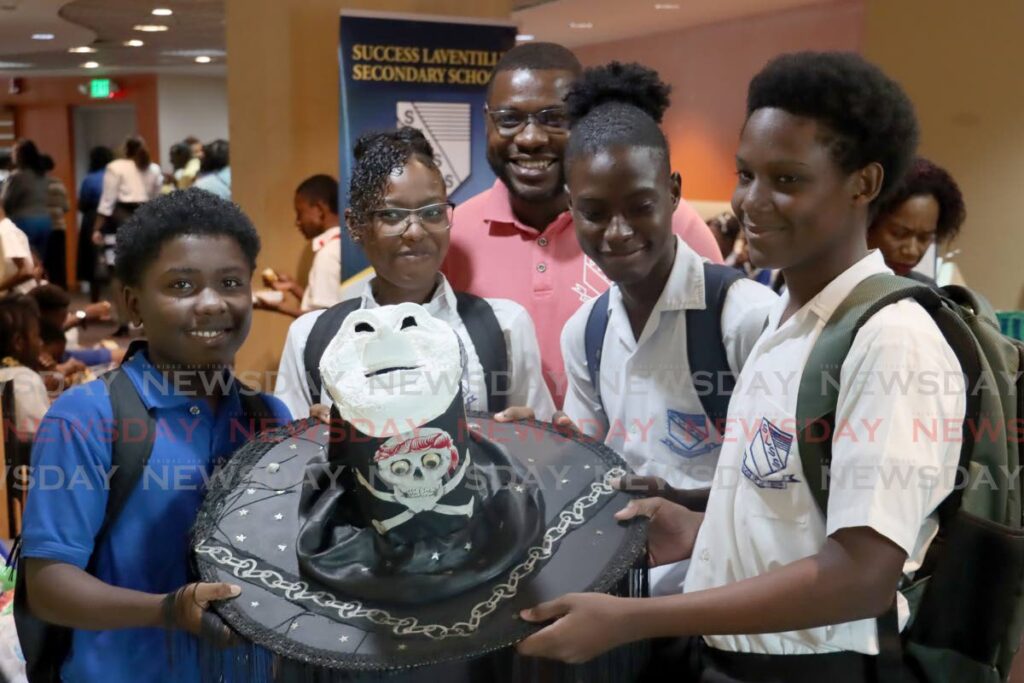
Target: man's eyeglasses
393	222
510	121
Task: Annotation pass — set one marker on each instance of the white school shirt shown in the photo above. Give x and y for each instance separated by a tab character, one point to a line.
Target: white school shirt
31	399
895	451
323	285
124	182
655	418
526	381
14	244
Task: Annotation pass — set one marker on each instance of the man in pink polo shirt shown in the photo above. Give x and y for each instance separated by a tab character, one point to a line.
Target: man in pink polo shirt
517	240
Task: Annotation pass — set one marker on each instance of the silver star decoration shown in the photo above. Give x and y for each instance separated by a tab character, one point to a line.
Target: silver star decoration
249	492
240	538
325	433
435	557
278	493
365	569
519	488
467	547
273	467
293	446
278	516
600	533
243	513
586	467
529	460
343	639
565	481
282	548
294	625
402	646
254	603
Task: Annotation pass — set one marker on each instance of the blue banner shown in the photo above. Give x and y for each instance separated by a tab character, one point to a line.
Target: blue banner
426	73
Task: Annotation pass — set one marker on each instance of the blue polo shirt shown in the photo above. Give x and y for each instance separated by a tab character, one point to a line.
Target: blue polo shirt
148	545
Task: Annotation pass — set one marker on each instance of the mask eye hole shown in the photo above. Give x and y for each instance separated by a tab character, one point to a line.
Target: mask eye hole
364	327
400	468
409	321
431	461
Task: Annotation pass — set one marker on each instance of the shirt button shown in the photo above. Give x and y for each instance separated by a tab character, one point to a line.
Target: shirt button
705	556
541	267
543	242
194	410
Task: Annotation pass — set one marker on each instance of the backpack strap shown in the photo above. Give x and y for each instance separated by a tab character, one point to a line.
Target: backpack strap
593	340
710	359
489	342
324	329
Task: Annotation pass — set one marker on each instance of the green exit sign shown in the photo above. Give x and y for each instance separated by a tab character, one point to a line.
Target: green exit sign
101	88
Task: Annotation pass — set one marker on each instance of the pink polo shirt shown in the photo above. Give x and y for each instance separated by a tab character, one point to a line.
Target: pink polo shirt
492	254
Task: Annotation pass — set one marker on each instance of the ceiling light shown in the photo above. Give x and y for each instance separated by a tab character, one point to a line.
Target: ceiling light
663	5
14	65
162	12
581	24
203	59
42	36
523	37
150	28
91	65
133	43
83	50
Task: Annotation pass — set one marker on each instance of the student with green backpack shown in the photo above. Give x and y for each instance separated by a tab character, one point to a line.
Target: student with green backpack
839	543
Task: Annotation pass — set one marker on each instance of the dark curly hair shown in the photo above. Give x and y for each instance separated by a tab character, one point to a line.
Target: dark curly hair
377	156
50	298
17	311
185	212
869	117
616	104
319	188
216	155
929	180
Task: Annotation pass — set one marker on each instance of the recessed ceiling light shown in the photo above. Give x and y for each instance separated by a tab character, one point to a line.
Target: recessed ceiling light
14	65
203	59
150	28
83	50
523	37
133	43
162	12
581	24
666	5
91	65
42	36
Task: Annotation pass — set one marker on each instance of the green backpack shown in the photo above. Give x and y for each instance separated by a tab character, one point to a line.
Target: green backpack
967	600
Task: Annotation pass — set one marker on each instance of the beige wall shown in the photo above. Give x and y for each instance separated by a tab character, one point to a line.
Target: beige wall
961	64
709	67
283	122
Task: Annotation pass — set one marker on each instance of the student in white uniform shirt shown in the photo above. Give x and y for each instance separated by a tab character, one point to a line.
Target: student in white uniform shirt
316	217
399	213
18	271
827	135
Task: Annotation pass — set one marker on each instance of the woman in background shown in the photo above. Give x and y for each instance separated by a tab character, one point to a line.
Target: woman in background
88	201
215	172
55	257
25	195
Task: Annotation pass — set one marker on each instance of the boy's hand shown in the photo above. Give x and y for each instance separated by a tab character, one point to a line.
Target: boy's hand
98	311
513	413
693	499
320	412
672	531
191	611
587	624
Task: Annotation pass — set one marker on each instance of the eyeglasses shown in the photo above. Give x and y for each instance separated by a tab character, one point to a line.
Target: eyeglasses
510	121
393	222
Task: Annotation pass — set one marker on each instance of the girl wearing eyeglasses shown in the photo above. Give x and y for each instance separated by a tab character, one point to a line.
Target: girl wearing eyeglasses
400	215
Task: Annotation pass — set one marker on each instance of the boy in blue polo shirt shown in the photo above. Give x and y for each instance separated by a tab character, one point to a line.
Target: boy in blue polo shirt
186	260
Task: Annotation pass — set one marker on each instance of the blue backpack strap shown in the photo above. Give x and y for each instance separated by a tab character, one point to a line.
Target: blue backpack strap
705	346
324	329
489	342
593	340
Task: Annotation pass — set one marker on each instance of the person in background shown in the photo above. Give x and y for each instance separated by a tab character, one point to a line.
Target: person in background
726	229
316	217
25	195
516	240
20	350
88	201
55	256
18	269
6	165
128	183
215	172
55	310
181	155
927	208
57	368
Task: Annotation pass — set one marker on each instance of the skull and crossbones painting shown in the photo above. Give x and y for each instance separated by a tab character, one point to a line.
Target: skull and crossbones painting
415	467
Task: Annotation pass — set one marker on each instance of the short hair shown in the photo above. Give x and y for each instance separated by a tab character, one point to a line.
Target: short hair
50	298
99	157
29	157
185	212
537	57
17	311
616	104
929	180
215	156
319	188
869	116
51	333
46	162
377	156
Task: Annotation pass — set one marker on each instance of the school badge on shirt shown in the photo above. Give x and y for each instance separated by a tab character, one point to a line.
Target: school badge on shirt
688	434
767	456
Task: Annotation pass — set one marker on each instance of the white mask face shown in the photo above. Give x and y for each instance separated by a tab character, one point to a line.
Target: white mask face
393	365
